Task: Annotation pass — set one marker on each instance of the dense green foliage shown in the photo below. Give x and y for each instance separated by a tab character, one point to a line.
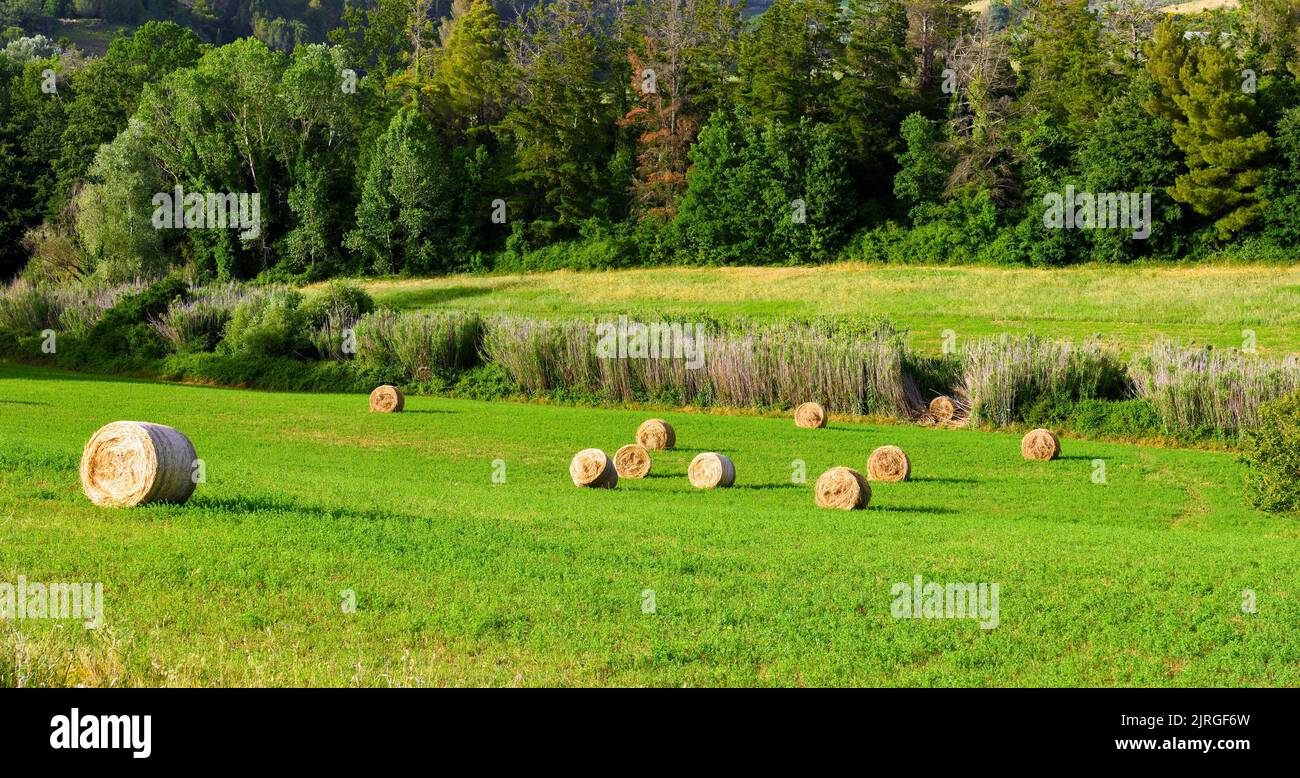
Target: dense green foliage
1273	451
428	138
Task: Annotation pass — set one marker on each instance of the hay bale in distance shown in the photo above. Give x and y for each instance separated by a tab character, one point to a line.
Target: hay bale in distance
594	469
943	409
711	470
889	463
843	488
1041	445
387	399
656	435
130	463
810	416
632	461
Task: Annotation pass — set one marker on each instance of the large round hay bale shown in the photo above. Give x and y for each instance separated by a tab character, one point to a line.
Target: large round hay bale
387	399
594	469
943	409
889	463
843	488
810	416
711	470
656	435
632	461
130	463
1040	444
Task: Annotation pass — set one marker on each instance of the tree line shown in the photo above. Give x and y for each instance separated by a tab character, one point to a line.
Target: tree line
586	134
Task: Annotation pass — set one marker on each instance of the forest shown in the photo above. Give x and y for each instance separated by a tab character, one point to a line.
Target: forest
408	137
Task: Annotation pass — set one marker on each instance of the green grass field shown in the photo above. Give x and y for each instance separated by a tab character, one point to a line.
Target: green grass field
462	581
1132	306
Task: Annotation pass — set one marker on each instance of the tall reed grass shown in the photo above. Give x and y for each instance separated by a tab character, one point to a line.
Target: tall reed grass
419	344
1202	388
778	364
68	309
1001	375
197	323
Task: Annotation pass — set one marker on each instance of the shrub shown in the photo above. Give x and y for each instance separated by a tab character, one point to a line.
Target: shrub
124	329
339	299
82	307
268	325
1204	388
1273	453
331	313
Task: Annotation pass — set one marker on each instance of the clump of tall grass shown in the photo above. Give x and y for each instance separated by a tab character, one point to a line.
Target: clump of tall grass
1001	375
778	364
69	308
1200	388
787	363
334	313
198	322
25	307
420	344
81	307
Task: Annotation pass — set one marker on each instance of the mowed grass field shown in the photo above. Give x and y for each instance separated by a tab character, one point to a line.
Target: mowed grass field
1132	306
463	581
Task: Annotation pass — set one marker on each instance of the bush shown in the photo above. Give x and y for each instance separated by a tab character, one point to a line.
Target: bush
340	300
1273	453
269	325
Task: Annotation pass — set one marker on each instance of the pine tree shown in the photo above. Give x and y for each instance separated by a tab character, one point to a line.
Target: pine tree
787	63
872	94
468	63
1215	126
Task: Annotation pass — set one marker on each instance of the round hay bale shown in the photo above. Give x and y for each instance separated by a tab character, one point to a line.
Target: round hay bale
889	463
593	468
810	416
1041	445
943	409
843	488
710	470
632	461
387	399
656	435
130	463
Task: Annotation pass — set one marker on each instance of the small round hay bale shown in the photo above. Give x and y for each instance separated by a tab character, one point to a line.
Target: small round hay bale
810	416
594	469
387	399
1041	445
711	470
943	409
130	463
889	463
843	488
632	461
656	435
